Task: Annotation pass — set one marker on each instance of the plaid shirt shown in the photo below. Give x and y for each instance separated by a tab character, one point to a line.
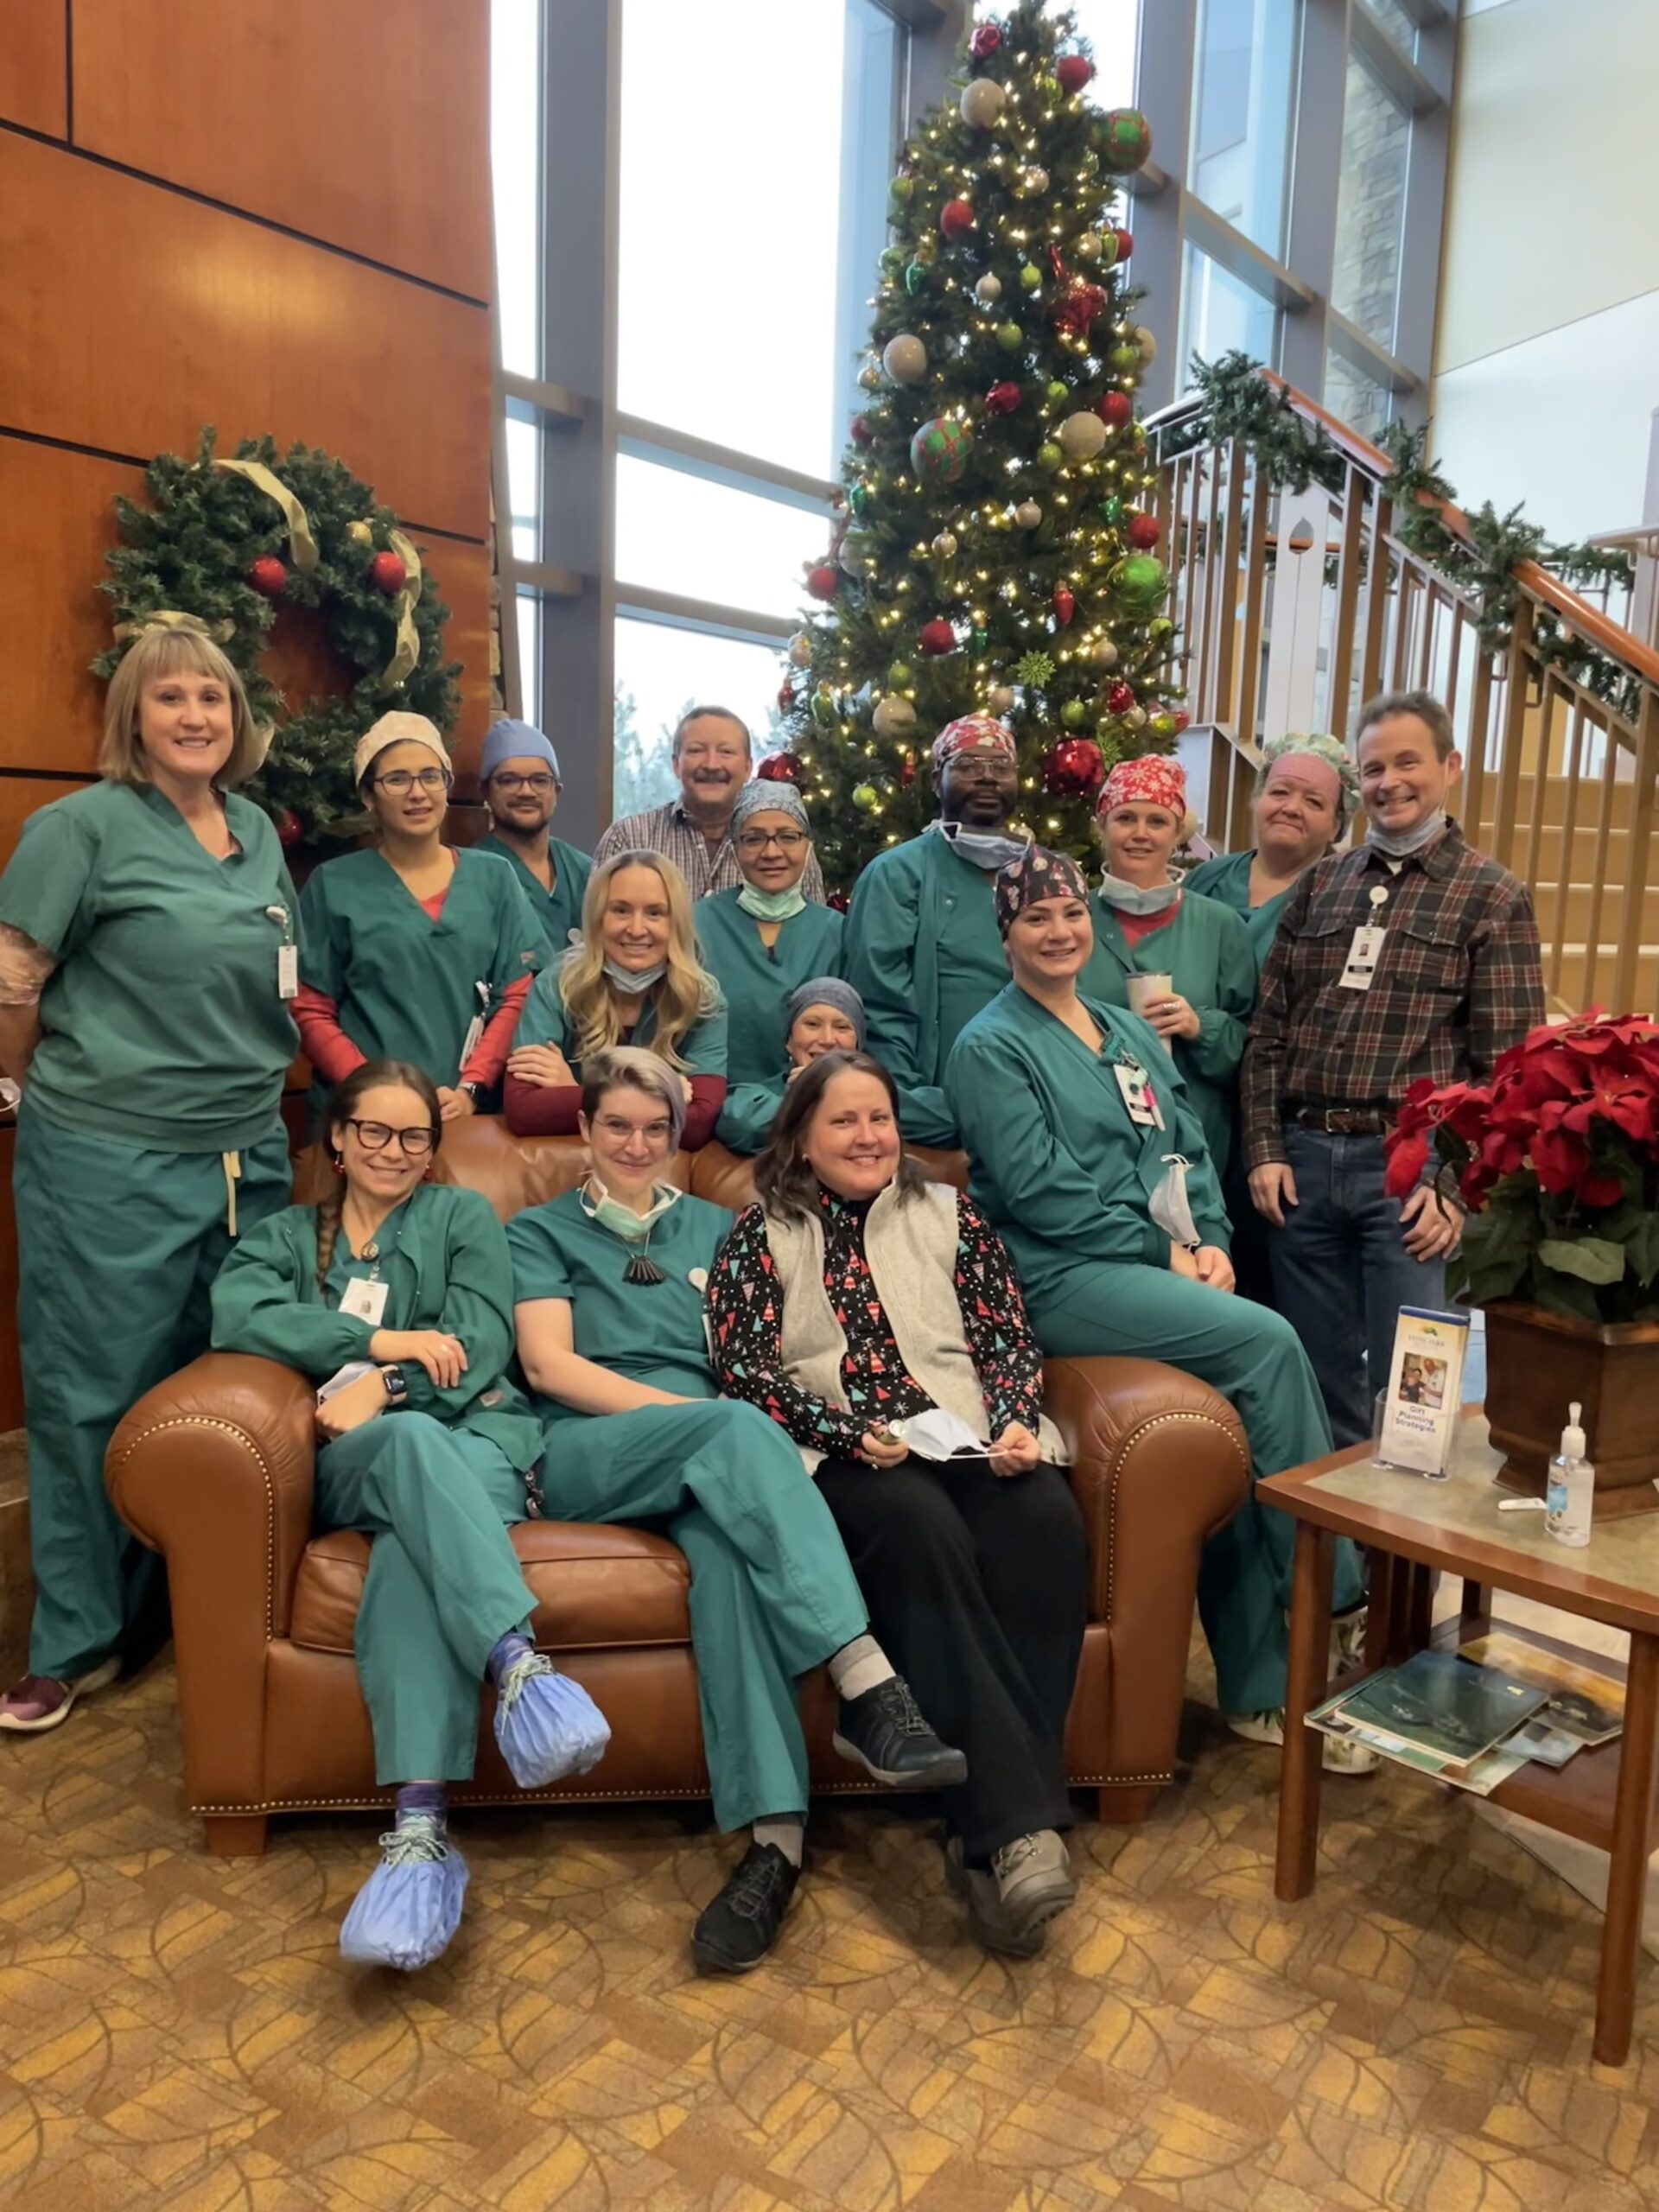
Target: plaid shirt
671	832
1459	980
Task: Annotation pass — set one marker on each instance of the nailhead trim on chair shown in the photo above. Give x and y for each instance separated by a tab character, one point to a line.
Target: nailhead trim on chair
230	1428
1156	1421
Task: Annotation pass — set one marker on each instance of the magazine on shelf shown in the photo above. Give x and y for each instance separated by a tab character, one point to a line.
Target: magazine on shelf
1444	1704
1425	1392
1479	1775
1582	1701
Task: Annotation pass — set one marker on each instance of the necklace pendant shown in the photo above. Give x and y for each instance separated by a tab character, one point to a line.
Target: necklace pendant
642	1270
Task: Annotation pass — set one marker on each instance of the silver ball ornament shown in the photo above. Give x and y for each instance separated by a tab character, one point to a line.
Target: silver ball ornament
999	699
1087	248
905	358
1144	343
1082	435
983	103
1104	653
944	545
1028	514
988	290
894	718
1034	181
800	650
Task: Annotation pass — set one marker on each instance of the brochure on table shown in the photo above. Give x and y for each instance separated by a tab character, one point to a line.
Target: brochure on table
1425	1391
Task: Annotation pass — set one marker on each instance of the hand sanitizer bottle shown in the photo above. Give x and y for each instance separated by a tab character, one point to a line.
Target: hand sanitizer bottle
1572	1491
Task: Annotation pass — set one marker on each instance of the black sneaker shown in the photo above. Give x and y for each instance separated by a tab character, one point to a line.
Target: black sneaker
738	1927
884	1732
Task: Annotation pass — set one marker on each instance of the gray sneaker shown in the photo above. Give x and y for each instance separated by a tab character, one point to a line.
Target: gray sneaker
990	1923
1033	1878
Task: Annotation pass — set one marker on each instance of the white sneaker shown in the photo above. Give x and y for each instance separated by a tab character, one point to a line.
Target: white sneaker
1348	1641
1339	1755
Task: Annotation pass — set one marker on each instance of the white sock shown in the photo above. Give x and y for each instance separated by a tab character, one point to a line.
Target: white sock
786	1832
858	1666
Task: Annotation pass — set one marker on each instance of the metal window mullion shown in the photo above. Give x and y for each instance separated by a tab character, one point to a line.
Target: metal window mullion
1316	177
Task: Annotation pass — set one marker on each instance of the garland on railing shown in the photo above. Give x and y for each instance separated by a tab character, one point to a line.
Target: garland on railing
1291	453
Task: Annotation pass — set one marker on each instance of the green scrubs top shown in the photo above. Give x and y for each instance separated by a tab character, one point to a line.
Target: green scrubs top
1227	879
1057	1165
407	987
756	982
444	1262
545	1021
558	911
924	954
650	1332
1207	952
162	1023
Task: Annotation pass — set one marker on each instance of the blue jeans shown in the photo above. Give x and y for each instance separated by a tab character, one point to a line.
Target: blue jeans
1341	1272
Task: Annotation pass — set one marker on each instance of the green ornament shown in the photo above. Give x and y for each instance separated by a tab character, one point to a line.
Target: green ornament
1162	725
823	706
1088	162
1011	337
1112	509
898	674
1030	279
1122	138
1124	357
979	639
903	189
892	260
1139	582
858	499
864	797
1074	714
915	278
1162	628
1049	88
1033	669
1049	456
1057	392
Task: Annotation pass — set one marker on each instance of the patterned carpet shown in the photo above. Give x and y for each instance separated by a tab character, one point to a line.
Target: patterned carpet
180	2031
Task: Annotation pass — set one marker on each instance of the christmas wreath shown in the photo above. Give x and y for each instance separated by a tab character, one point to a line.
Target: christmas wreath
225	544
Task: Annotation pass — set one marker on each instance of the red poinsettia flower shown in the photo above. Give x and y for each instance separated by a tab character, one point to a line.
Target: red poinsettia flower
1407	1157
1615	1099
1560	1160
1600	1190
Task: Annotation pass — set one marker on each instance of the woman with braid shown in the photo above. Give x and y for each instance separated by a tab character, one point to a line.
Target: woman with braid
395	1295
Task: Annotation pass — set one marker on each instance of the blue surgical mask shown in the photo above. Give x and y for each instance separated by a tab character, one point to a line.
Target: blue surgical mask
1137	897
622	1220
985	848
771	906
1400	844
634	982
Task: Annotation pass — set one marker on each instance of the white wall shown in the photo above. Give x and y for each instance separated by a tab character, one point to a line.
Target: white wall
1547	353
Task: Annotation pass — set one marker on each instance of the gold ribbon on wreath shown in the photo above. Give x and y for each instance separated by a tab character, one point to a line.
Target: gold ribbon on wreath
406	653
168	618
301	546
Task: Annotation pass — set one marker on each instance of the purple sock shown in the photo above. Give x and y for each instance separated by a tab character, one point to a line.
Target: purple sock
421	1797
515	1644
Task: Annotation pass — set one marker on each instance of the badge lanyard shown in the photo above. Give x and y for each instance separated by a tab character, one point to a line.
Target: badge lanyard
1366	950
287	954
1135	1086
365	1296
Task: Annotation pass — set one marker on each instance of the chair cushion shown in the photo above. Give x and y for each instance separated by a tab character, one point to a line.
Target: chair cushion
595	1588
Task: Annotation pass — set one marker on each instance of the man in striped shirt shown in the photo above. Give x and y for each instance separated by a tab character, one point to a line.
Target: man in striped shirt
713	760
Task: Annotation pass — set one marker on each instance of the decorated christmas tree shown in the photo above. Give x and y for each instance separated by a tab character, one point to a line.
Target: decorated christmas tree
994	550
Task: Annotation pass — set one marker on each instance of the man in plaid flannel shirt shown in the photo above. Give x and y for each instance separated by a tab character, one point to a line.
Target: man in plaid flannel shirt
1347	1020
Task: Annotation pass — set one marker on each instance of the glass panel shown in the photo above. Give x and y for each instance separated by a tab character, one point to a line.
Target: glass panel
1370	205
525	486
731	184
1243	97
516	166
1393	17
660	671
1354	398
1219	313
529	655
681	533
1110	27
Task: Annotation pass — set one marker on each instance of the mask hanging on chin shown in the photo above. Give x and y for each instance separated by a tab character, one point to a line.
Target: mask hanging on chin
1400	844
771	906
1138	897
989	849
629	1228
634	982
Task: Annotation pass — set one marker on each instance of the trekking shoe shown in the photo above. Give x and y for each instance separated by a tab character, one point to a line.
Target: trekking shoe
41	1701
1339	1754
883	1732
736	1929
406	1912
546	1724
990	1923
1033	1878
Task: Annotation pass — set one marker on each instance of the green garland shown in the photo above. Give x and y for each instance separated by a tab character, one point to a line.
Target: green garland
1291	453
192	551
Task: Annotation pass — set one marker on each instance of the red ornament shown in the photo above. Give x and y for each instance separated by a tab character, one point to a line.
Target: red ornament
1074	768
1065	604
1117	408
1125	244
957	217
1144	533
824	580
987	40
1121	698
388	574
862	433
907	770
1003	398
937	636
839	901
1078	308
268	575
780	768
786	696
1074	72
290	829
1183	720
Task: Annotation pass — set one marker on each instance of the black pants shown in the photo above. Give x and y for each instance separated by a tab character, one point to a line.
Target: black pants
977	1589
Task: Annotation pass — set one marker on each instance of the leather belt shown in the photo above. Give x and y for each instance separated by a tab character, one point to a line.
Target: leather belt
1344	1120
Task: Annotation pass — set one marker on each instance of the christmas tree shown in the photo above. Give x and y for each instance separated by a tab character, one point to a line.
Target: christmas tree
994	550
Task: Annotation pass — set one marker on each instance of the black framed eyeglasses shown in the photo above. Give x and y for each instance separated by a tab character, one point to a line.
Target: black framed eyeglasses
756	841
375	1136
399	780
504	781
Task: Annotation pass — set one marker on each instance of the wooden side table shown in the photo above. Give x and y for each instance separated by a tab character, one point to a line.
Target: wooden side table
1411	1527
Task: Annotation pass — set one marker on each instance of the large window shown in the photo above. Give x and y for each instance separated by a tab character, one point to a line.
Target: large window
516	165
1372	205
1219	314
1243	97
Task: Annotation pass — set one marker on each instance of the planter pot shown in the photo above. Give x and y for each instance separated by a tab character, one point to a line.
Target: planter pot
1537	1364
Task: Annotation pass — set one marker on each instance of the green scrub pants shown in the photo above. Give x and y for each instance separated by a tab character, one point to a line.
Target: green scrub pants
1256	1361
771	1592
443	1587
117	1248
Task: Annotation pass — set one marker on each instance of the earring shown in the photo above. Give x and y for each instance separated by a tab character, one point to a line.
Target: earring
339	1164
427	1177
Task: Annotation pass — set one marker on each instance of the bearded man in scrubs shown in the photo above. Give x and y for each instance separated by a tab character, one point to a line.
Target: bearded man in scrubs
518	777
922	947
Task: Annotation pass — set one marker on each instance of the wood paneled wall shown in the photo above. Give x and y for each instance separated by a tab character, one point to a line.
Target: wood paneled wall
270	220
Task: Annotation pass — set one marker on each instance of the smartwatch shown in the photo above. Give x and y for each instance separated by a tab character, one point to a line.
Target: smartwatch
397	1388
473	1090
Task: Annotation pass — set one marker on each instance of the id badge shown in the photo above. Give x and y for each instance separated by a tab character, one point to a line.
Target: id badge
288	971
365	1301
1136	1087
1362	956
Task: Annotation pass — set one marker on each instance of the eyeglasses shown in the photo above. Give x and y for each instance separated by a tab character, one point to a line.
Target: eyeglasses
756	841
399	780
375	1136
618	1131
502	781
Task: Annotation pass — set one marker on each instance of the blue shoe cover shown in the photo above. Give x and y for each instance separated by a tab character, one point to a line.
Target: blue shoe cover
406	1912
546	1725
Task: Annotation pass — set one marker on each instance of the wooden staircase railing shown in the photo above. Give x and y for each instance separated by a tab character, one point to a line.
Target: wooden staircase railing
1294	607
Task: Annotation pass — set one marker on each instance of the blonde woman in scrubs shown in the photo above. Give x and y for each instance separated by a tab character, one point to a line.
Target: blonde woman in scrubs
414	952
147	963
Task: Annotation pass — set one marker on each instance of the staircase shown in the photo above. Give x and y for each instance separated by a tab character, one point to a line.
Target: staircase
1296	606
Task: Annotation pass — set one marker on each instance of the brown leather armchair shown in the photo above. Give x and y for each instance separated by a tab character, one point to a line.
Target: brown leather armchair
215	1468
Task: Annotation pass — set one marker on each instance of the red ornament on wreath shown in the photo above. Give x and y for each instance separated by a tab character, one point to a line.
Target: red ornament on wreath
987	40
957	218
824	580
388	574
1003	398
937	636
1074	768
1065	604
779	768
290	829
268	575
1121	698
1115	407
1074	71
1144	533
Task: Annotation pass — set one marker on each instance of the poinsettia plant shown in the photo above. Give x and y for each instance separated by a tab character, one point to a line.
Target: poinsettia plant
1557	1160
